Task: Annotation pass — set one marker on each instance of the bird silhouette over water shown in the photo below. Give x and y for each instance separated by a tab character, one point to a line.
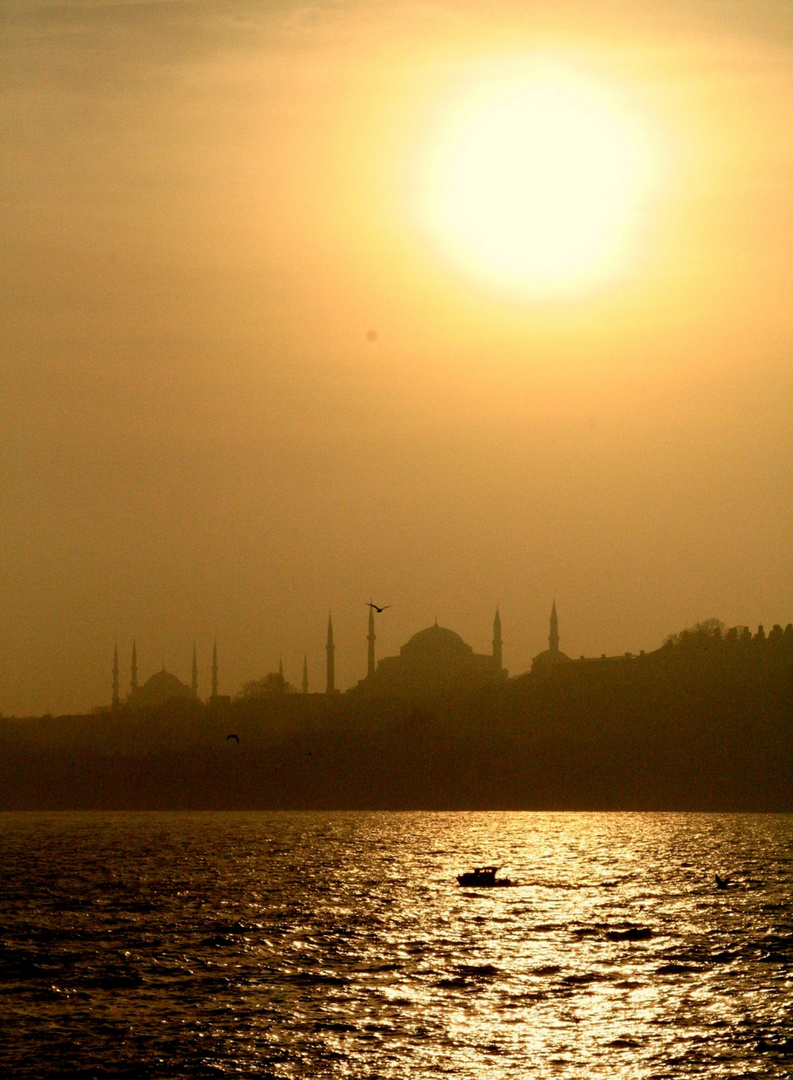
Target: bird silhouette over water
722	882
378	609
232	736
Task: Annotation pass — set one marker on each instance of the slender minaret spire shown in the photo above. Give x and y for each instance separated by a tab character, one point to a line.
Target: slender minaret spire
370	639
116	698
194	680
330	649
497	643
553	638
134	679
305	674
281	667
215	669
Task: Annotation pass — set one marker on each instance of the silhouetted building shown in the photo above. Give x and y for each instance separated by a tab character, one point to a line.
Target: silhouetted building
434	661
159	689
116	697
133	685
370	665
214	670
552	655
216	700
330	649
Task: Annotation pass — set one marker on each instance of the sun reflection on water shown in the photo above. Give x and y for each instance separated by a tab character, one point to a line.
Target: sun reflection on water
340	945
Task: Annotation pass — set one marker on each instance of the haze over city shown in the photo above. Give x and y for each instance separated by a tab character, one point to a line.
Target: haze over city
272	344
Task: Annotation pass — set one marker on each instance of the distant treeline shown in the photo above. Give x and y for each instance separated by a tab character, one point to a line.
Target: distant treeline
704	723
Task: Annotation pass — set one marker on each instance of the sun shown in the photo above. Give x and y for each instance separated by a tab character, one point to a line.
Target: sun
536	185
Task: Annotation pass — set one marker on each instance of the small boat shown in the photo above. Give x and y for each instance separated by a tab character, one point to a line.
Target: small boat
483	877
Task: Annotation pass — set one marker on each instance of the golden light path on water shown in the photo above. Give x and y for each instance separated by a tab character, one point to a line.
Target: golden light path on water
340	945
537	179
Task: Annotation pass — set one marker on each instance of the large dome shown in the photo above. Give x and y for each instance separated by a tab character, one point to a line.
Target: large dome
434	662
435	641
161	687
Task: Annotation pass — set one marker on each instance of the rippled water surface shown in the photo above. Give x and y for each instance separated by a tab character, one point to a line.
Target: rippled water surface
340	945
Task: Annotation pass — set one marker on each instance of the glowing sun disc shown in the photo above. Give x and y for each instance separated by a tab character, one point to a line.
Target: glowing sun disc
535	186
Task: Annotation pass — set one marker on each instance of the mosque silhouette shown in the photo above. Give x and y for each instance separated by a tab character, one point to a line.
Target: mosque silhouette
435	661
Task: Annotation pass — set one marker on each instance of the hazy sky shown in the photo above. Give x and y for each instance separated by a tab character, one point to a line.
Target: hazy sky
210	208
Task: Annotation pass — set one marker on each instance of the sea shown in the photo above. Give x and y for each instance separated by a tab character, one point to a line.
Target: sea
281	945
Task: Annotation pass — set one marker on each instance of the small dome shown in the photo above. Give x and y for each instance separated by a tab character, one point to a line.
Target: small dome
549	658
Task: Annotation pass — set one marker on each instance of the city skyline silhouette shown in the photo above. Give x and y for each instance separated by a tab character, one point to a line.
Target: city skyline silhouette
444	318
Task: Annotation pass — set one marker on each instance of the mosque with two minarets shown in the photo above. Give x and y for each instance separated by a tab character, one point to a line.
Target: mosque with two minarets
434	662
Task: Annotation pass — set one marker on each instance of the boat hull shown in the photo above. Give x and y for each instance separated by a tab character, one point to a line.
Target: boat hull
482	881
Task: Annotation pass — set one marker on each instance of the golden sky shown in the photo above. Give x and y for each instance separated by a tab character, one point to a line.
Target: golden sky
246	378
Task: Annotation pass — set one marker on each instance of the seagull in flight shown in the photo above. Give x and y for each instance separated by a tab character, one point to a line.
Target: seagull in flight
378	609
235	737
722	882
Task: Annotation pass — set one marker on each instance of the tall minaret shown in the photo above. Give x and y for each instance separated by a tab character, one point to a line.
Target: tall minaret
215	669
497	644
134	679
330	649
305	674
281	668
194	680
116	698
370	639
553	638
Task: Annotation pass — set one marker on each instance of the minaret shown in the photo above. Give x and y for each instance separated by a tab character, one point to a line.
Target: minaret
215	669
370	639
281	669
497	644
116	699
194	680
134	679
553	638
305	674
330	649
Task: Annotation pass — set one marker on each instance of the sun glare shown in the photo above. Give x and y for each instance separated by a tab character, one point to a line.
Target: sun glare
535	186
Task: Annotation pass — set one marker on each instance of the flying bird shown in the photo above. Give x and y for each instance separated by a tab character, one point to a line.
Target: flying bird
722	882
235	737
378	609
